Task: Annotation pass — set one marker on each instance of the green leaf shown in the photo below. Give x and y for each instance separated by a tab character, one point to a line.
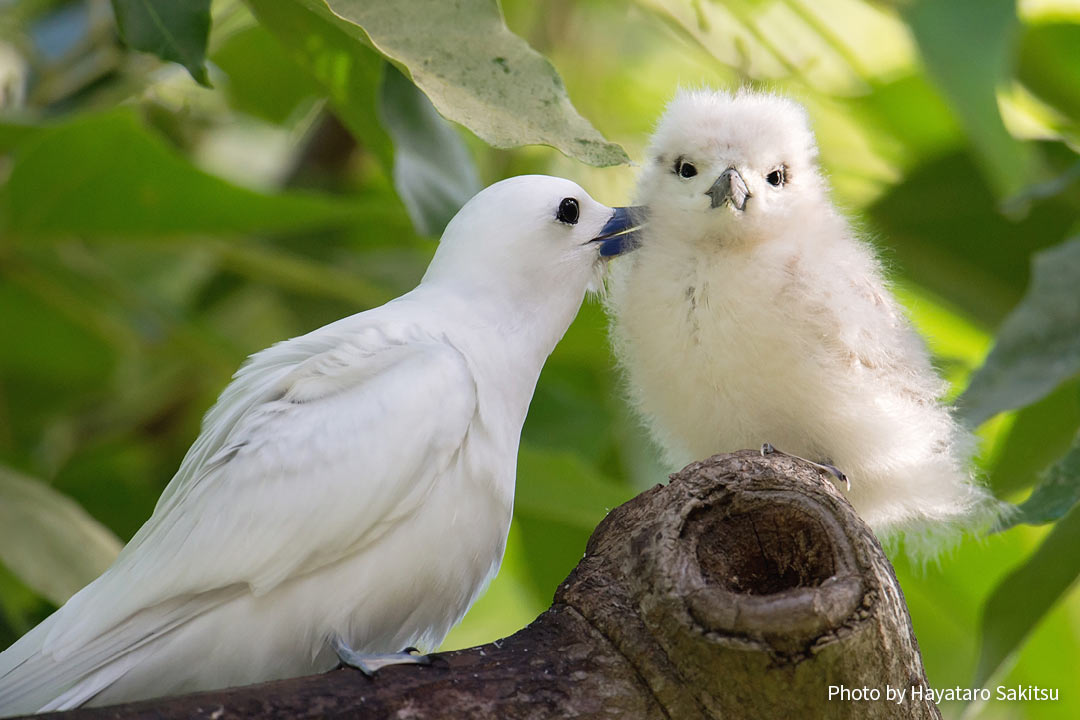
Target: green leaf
47	540
1049	65
1038	345
1039	435
348	70
941	228
299	274
106	174
560	487
478	73
968	47
14	132
174	30
560	499
433	172
1017	605
263	80
1056	495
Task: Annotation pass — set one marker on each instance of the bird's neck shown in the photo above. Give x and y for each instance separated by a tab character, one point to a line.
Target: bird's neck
505	340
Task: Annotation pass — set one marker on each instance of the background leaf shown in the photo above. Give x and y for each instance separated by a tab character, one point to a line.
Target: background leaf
1056	495
434	174
348	69
271	88
48	540
497	86
174	30
1020	601
968	47
106	175
1038	345
562	488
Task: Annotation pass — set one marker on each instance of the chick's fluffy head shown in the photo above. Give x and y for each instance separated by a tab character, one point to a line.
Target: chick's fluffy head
765	138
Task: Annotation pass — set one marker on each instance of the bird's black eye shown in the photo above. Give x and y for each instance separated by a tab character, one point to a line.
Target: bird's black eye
685	169
777	177
568	211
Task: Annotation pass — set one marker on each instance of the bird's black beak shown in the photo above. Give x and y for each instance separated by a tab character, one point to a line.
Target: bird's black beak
620	233
729	186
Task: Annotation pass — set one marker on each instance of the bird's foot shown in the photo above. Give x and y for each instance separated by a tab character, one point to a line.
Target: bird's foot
768	449
370	664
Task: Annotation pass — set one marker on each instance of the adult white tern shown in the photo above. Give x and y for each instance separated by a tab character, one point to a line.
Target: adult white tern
350	493
753	314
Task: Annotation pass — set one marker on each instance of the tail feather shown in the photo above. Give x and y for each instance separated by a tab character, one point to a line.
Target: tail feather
20	666
33	679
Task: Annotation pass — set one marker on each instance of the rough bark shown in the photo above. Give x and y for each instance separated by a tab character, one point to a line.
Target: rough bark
743	589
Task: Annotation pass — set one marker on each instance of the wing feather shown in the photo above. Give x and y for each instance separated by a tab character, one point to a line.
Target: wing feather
312	452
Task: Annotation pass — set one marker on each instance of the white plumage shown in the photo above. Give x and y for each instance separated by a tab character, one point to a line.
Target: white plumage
354	482
773	322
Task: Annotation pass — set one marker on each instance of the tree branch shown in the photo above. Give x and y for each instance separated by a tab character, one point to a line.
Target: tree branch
743	589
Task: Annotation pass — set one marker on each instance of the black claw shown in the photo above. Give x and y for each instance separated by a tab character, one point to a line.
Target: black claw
768	449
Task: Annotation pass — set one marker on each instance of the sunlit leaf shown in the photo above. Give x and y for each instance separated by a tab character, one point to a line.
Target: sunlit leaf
106	174
47	540
347	69
174	30
1038	345
968	46
478	73
1056	495
433	172
1015	607
1049	65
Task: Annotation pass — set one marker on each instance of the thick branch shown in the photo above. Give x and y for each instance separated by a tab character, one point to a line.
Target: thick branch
743	589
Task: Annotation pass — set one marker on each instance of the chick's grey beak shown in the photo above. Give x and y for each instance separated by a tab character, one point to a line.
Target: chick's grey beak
620	232
729	186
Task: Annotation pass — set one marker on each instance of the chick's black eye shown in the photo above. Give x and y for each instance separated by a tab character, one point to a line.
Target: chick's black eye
568	211
685	169
777	177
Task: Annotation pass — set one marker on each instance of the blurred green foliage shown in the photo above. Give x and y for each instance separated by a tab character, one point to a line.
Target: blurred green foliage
154	232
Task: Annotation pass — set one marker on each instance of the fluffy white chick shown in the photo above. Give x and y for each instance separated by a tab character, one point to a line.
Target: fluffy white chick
350	493
753	314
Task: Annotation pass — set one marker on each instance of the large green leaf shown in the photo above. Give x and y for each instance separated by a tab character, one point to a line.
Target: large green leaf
263	80
968	48
940	227
174	30
1056	495
433	172
1050	65
1017	605
1038	345
106	174
348	70
1039	435
47	540
477	73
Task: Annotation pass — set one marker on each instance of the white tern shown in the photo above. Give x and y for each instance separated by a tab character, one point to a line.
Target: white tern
753	314
350	493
